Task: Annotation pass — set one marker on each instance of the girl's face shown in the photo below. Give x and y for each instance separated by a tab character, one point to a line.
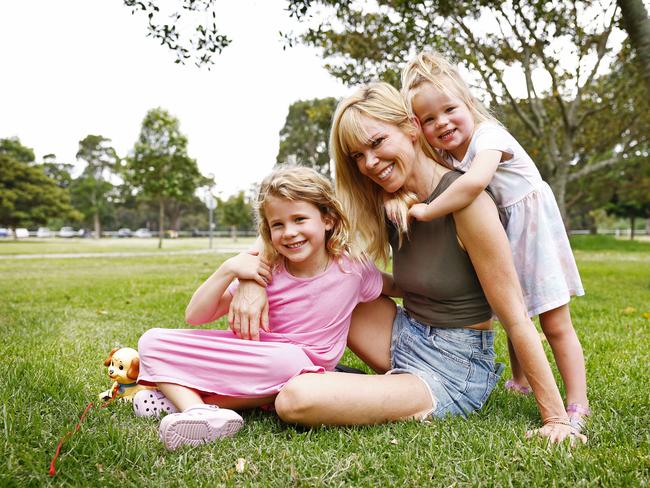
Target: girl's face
446	121
298	233
388	156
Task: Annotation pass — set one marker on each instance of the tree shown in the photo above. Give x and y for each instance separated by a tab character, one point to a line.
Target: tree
160	169
304	137
28	197
637	24
235	212
101	159
631	194
171	26
566	42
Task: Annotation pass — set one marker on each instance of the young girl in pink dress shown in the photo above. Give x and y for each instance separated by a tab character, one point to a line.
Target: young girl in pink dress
469	139
314	280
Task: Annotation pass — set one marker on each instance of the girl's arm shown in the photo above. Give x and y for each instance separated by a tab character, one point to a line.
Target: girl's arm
389	287
212	300
481	233
464	190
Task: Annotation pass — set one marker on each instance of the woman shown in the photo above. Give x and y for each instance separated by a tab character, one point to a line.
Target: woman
439	348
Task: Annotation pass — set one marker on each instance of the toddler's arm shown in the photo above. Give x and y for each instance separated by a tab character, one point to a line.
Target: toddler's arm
389	287
464	190
212	299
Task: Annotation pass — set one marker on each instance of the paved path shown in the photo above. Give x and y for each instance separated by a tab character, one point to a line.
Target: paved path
220	250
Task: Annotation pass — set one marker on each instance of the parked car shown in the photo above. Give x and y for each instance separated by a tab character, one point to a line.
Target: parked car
124	232
67	232
142	233
4	232
43	232
21	233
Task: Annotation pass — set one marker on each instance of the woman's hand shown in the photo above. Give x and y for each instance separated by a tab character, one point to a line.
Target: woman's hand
557	433
249	310
250	266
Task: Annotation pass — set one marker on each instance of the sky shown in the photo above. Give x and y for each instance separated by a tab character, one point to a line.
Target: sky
76	67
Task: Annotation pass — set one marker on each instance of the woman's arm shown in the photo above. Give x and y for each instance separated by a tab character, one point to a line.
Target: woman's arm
249	308
389	288
482	234
212	300
464	190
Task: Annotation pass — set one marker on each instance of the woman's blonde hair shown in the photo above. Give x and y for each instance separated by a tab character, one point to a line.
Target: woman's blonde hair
298	183
362	199
430	67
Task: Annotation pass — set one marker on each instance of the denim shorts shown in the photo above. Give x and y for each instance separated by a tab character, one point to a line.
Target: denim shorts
456	364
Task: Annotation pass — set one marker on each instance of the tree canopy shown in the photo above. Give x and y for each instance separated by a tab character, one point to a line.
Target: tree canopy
28	197
304	137
159	168
559	51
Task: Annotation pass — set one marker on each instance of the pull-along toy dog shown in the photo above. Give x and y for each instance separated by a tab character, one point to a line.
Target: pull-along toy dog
123	368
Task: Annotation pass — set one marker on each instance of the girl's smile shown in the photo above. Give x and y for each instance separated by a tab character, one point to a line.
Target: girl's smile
298	232
446	121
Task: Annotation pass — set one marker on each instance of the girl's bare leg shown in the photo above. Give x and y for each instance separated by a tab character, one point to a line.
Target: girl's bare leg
184	398
562	337
181	396
351	399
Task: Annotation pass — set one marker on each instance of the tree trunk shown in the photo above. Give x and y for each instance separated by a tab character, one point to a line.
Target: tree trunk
233	232
637	25
632	222
98	225
161	223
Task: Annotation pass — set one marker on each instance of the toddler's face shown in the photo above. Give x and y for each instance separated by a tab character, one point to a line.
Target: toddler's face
446	121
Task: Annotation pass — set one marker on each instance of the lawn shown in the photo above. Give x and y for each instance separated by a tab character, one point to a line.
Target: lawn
76	245
61	317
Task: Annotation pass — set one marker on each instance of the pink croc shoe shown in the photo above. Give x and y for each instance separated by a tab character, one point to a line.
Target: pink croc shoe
152	403
517	388
198	425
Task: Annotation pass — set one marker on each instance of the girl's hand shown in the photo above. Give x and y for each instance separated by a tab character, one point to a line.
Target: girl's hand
250	266
420	211
557	433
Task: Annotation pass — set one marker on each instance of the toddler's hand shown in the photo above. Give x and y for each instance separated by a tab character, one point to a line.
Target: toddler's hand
391	207
250	266
419	211
557	433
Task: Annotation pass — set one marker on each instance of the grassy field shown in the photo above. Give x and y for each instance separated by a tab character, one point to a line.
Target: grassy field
76	245
59	319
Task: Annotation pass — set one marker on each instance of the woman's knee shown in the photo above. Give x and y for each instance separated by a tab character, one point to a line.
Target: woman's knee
294	401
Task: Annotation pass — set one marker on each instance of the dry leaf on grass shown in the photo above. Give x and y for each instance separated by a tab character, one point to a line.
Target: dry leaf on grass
241	465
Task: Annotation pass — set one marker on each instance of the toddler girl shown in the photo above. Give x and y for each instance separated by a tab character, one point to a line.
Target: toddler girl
469	139
314	280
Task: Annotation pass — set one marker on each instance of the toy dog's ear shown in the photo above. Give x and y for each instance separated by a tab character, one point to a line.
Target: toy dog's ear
107	361
134	369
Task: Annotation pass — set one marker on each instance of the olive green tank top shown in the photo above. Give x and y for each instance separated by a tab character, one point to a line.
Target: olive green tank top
440	286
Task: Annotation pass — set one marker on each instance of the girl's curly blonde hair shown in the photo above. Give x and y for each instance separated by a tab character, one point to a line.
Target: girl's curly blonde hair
430	67
298	183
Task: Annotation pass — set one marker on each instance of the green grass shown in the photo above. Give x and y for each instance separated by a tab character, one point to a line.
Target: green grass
76	245
59	318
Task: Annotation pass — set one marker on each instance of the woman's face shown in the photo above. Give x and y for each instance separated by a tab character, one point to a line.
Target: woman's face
387	157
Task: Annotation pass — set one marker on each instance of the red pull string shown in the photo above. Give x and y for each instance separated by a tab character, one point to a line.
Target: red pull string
68	434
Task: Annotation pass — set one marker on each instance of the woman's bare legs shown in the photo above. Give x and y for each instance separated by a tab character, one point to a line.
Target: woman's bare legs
370	332
346	399
353	399
184	398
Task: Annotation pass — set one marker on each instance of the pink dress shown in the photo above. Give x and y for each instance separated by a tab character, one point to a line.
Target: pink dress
309	320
